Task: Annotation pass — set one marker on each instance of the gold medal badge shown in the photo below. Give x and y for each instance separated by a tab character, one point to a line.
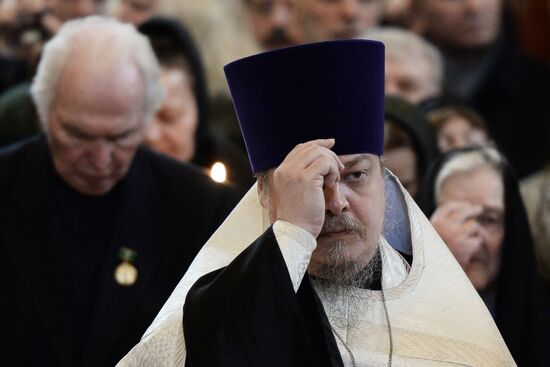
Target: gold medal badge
126	273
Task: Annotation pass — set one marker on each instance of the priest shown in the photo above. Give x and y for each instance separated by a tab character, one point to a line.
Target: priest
327	261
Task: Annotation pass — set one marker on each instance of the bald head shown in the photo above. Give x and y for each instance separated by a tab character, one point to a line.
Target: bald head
90	70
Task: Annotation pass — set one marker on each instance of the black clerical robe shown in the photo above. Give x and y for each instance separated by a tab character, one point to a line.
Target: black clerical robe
247	314
163	210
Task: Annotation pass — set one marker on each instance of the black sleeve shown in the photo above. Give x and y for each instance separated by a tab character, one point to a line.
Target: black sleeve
247	314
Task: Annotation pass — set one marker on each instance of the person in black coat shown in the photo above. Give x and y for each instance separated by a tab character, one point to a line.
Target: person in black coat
485	67
95	230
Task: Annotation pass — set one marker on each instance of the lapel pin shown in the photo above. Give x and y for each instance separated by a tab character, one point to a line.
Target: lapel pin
126	273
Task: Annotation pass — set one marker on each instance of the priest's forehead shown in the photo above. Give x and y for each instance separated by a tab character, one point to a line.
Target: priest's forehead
364	159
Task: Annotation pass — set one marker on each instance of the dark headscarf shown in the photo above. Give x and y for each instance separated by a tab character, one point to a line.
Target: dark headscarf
412	120
522	307
170	39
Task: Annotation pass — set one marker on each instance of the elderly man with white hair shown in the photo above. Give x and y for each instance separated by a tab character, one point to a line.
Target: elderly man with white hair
95	230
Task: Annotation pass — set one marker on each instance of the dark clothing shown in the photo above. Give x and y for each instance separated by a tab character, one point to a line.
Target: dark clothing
61	305
412	121
170	41
225	326
13	71
85	229
520	306
18	116
511	91
513	100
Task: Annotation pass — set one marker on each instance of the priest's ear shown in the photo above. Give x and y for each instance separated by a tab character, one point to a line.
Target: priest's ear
262	186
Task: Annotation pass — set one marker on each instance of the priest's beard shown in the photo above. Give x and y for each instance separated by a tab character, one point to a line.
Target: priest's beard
338	266
340	278
343	299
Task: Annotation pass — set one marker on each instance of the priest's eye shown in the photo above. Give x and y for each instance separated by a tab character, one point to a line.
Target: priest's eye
357	176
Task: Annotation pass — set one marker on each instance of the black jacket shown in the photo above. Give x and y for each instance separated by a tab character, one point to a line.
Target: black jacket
513	99
232	319
166	213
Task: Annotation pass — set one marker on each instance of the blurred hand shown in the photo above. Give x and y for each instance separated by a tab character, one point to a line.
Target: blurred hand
296	191
456	223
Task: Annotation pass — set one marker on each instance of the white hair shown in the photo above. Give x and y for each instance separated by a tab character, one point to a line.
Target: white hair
120	40
404	45
468	161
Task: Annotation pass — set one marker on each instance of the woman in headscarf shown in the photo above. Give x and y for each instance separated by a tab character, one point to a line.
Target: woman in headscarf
459	126
409	142
472	199
181	127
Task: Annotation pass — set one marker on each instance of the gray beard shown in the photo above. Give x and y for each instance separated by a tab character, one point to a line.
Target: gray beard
337	270
342	293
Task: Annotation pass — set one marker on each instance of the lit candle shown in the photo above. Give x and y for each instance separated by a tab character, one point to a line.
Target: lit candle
218	172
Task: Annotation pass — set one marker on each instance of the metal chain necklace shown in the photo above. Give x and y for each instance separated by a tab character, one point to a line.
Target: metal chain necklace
390	356
351	356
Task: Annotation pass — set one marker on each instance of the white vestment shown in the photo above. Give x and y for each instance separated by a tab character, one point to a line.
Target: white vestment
436	315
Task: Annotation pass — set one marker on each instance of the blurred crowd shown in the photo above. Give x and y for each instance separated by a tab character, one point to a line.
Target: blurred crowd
467	127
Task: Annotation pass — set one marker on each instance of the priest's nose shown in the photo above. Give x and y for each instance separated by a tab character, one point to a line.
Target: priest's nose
335	199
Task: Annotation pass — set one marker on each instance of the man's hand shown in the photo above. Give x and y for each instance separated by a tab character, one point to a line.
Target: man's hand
456	223
296	191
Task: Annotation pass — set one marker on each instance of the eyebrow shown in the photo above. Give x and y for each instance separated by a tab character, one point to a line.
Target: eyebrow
76	130
493	210
357	160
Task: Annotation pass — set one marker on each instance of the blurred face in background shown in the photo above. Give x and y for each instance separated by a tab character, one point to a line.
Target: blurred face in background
137	11
400	156
69	9
96	124
401	162
457	132
482	186
338	19
461	24
173	128
274	22
397	12
410	78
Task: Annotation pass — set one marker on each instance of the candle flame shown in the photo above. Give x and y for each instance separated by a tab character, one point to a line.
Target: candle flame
218	172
